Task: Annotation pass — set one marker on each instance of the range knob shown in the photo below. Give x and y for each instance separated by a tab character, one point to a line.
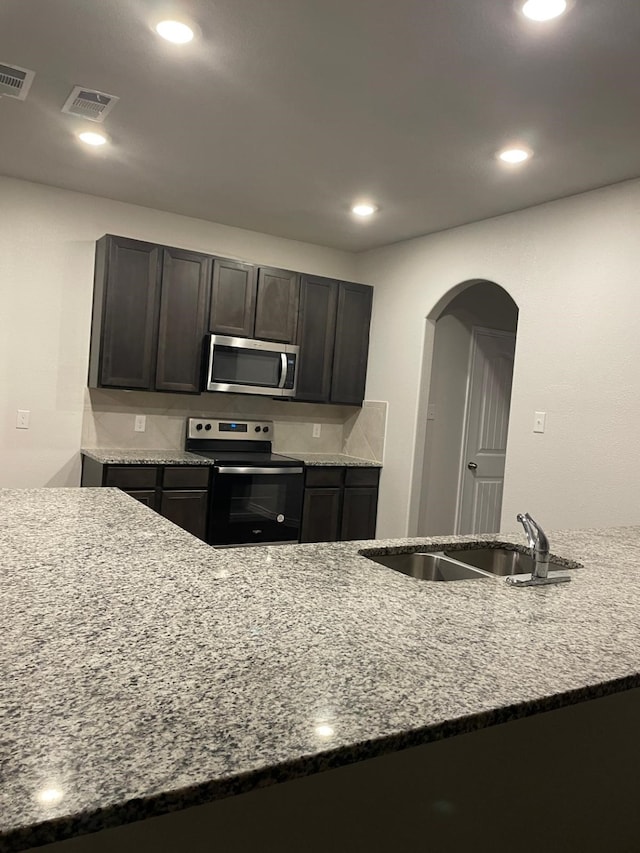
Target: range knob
198	427
257	429
207	427
265	429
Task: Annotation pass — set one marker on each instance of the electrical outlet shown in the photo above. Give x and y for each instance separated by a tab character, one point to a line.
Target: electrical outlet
316	430
22	419
539	421
140	423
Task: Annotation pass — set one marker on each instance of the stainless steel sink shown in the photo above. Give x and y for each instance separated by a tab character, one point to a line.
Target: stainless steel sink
427	567
498	561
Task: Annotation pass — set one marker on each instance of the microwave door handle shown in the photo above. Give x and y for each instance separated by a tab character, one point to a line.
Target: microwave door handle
283	369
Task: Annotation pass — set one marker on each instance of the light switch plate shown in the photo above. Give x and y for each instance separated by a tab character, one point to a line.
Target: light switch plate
431	412
140	424
22	419
539	421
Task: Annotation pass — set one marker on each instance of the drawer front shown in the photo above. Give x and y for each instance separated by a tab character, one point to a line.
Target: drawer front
362	477
321	476
186	477
131	476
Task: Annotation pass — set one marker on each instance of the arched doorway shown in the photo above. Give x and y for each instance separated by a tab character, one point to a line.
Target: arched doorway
466	413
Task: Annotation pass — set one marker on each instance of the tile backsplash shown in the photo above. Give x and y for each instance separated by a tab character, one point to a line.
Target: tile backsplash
109	416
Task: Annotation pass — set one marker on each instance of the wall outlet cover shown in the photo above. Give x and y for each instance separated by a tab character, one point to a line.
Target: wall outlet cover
317	428
140	423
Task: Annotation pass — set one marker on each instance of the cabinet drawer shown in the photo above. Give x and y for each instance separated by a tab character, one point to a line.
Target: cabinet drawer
324	476
186	477
362	477
131	476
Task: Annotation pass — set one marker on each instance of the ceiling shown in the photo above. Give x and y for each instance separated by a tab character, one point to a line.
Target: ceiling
282	113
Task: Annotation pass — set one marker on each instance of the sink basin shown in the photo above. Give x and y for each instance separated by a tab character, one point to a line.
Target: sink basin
426	567
498	561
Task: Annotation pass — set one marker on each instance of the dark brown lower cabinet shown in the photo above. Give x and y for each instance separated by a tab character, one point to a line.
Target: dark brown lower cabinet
178	492
187	509
321	515
339	504
359	507
145	496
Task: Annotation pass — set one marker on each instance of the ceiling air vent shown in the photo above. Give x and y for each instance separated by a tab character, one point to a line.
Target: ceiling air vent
88	103
15	82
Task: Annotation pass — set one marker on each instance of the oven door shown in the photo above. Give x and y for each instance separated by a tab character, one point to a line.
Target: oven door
247	366
252	505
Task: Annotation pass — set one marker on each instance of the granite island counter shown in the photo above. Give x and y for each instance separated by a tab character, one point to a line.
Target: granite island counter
145	673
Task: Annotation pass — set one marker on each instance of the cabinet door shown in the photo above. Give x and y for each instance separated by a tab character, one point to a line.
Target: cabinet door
233	298
359	509
321	515
184	292
316	336
351	344
187	509
125	314
148	497
277	305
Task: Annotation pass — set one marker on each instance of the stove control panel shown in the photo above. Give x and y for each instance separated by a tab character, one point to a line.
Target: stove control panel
229	429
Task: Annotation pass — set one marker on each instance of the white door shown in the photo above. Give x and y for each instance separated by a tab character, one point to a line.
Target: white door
485	434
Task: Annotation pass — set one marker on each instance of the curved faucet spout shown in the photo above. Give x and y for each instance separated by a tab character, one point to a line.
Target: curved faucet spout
538	543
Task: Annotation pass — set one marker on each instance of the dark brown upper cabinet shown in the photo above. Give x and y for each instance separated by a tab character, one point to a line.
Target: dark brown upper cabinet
184	295
125	314
333	334
149	316
316	337
247	302
233	298
352	344
277	305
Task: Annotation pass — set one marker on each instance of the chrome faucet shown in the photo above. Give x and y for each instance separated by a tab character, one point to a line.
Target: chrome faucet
539	545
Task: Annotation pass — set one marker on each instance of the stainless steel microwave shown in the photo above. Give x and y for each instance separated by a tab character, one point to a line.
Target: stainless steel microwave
247	366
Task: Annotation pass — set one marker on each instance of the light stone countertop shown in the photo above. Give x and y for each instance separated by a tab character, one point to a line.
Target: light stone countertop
333	459
122	456
141	456
144	671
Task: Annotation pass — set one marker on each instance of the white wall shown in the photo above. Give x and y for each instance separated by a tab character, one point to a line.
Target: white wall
47	240
573	268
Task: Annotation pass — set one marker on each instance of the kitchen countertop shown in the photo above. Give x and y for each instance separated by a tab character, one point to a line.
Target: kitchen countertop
110	456
334	459
145	672
122	456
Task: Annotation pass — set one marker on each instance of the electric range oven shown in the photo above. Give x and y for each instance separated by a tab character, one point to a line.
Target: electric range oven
256	495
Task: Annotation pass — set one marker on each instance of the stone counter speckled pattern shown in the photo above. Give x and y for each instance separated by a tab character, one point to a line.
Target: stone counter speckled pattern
333	459
181	457
144	457
145	672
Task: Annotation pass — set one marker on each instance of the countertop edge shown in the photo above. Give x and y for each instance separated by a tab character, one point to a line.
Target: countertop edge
109	817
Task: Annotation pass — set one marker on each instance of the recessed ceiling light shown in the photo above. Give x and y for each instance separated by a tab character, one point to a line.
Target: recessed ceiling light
363	209
174	31
90	137
544	10
514	155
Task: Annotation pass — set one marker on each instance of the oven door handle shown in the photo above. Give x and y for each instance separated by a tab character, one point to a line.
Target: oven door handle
283	369
252	469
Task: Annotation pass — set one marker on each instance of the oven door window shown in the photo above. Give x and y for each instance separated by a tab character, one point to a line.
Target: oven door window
252	508
236	366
